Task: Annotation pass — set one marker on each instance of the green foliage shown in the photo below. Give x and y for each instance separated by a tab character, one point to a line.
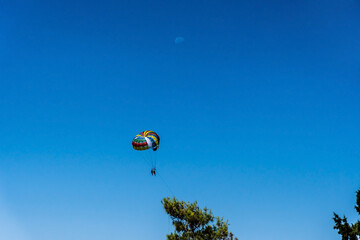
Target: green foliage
346	230
194	223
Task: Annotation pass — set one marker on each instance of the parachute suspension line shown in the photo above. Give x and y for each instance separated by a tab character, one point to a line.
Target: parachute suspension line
155	159
146	160
152	156
167	185
153	165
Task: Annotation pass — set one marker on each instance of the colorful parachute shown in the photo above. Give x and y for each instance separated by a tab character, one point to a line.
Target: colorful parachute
146	140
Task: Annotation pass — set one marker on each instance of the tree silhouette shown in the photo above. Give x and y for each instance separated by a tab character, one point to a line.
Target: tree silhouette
346	230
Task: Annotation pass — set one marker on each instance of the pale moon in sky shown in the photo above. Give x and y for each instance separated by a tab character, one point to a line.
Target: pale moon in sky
179	40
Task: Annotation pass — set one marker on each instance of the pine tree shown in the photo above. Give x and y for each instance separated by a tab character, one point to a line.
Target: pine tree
346	230
193	223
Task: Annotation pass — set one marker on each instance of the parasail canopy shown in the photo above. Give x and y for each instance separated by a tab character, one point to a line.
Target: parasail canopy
146	140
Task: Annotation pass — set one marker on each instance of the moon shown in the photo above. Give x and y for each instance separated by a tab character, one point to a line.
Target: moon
179	40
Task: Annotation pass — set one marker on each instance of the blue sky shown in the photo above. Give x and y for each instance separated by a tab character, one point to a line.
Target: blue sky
258	110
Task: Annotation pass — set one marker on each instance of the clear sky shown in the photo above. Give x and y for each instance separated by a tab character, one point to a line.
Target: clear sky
257	104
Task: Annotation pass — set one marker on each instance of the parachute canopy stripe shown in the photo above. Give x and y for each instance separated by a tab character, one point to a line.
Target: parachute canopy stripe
146	140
